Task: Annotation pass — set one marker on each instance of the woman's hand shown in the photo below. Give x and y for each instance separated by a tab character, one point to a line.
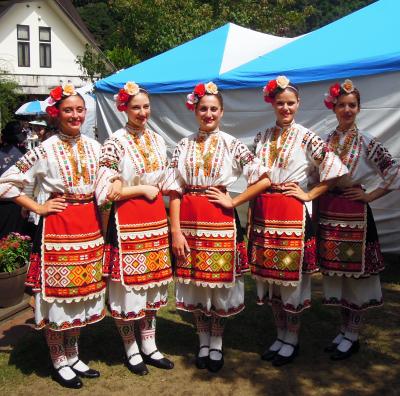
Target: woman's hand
356	194
115	190
293	190
180	247
150	192
55	205
216	196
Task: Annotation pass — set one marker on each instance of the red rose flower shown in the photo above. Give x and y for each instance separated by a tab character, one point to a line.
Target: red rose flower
52	111
56	93
122	107
190	106
268	99
329	105
334	90
200	90
123	96
271	86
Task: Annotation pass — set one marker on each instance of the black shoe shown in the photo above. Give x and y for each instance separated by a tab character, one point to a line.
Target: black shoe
162	363
339	355
201	362
73	383
89	373
268	355
138	369
215	365
280	360
332	348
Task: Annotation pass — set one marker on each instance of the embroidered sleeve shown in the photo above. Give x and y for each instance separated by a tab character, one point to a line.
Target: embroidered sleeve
247	162
23	173
324	159
110	156
173	178
385	164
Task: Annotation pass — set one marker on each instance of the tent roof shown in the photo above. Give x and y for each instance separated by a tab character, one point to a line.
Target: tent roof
201	59
361	43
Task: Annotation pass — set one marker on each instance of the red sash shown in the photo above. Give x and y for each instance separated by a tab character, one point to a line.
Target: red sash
209	230
143	242
342	235
277	239
72	253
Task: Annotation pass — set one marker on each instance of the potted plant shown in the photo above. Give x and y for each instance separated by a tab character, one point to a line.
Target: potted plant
14	259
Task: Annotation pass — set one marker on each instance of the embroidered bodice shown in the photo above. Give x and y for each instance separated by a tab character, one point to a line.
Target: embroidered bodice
59	164
137	158
210	159
294	154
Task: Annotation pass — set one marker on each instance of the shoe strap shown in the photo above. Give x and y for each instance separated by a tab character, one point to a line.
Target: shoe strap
133	354
348	339
72	365
204	346
290	344
216	350
280	340
152	353
61	367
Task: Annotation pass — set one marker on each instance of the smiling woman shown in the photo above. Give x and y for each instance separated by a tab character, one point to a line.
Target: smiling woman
65	271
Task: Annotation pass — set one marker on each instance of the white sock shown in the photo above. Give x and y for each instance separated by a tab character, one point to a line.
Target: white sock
133	349
66	373
215	343
204	340
337	340
345	344
80	366
276	346
291	338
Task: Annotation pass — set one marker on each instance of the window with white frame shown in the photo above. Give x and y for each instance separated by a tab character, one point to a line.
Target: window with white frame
45	46
23	46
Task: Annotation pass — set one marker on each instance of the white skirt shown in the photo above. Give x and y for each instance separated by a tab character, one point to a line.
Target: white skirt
352	293
61	316
294	299
130	304
221	301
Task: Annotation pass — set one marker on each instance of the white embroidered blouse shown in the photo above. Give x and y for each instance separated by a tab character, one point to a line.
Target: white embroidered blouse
61	164
211	159
294	154
137	158
365	159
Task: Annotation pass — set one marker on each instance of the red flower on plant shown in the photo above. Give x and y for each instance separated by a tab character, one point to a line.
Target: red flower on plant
56	93
52	111
334	90
122	107
200	90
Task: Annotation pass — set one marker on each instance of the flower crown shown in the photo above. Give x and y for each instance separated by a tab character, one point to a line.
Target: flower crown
274	86
335	90
125	94
199	91
56	94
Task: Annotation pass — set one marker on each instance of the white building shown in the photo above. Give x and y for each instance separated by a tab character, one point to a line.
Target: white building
39	43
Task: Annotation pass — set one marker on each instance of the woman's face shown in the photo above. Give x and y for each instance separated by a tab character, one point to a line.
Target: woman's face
72	115
285	105
346	110
209	113
138	111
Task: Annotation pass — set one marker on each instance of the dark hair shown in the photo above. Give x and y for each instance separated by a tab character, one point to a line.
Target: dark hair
356	93
12	134
217	95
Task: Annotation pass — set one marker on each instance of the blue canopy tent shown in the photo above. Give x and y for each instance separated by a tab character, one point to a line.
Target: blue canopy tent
361	46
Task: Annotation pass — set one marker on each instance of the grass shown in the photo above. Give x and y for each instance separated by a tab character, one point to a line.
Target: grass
373	371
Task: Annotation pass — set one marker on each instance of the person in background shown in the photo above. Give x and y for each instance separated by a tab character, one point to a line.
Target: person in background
348	247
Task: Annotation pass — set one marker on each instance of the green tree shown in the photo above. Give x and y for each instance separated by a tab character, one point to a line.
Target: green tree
9	97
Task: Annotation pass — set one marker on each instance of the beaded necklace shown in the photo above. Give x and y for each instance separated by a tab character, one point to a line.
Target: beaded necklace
274	150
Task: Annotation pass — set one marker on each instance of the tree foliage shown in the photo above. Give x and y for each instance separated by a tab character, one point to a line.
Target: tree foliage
132	31
9	97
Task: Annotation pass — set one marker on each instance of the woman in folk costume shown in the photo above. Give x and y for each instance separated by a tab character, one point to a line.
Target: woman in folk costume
137	262
208	267
66	262
349	252
282	241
